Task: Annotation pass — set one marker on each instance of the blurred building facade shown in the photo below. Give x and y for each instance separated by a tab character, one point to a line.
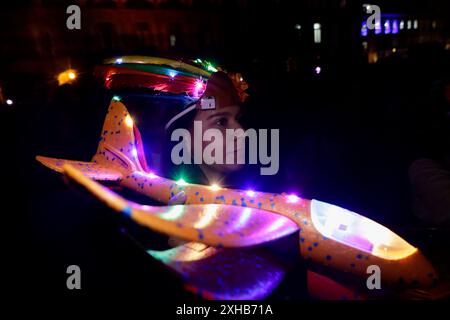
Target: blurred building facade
299	36
403	27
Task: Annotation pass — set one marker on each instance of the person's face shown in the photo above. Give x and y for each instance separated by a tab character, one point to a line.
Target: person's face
221	119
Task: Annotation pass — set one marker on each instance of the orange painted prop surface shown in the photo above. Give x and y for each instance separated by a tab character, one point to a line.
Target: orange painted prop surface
120	156
212	224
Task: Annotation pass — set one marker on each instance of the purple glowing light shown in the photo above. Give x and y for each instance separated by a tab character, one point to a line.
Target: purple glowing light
198	85
318	70
251	193
292	198
377	27
364	31
394	27
387	27
199	88
151	175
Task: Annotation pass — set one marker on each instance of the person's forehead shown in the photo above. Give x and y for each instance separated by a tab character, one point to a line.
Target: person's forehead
231	110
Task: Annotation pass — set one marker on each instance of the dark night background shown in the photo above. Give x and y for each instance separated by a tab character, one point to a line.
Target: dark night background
348	133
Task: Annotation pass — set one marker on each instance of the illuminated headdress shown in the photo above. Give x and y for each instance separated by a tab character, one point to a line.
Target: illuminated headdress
183	81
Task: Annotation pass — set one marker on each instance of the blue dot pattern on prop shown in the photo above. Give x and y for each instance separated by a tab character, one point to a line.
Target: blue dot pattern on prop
200	234
127	211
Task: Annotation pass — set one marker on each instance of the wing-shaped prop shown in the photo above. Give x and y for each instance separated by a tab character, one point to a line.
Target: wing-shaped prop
213	224
329	235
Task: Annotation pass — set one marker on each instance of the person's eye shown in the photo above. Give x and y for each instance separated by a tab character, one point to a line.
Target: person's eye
222	122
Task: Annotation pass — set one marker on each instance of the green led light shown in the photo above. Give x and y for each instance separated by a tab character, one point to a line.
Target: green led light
116	98
211	68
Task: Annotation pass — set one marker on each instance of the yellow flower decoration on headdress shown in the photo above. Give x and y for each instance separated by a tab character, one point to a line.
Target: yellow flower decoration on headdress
240	84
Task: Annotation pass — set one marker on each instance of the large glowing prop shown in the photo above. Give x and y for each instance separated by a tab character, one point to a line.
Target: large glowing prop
329	235
212	224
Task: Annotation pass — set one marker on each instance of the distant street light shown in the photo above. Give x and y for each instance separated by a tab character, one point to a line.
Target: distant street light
67	76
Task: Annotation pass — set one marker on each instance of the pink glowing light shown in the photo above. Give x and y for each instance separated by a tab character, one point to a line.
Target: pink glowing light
151	175
199	88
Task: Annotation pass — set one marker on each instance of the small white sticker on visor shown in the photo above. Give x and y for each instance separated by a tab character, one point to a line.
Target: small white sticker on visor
207	103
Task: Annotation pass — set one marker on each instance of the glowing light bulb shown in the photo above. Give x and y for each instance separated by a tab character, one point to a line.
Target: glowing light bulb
66	76
119	60
198	88
211	68
129	121
251	193
172	74
9	102
318	70
198	85
151	175
215	187
116	98
292	198
181	182
71	75
134	152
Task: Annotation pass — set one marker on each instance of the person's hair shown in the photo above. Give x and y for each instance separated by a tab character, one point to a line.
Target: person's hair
190	172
